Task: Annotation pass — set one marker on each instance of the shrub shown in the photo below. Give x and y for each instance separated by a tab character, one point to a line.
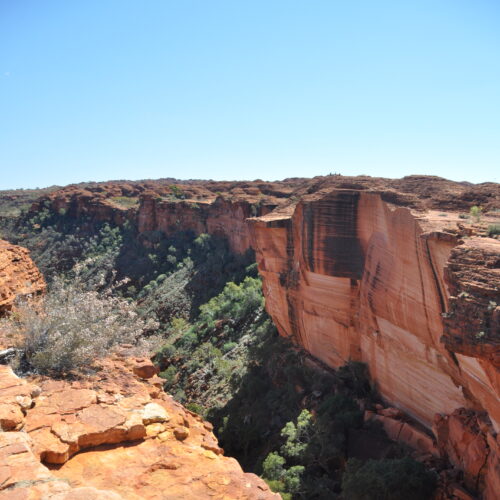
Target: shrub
236	302
493	230
389	479
189	339
228	346
292	478
72	326
177	192
475	212
272	467
169	375
125	201
196	408
297	435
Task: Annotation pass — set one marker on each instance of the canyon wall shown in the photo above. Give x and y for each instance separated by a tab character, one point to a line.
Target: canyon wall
18	275
219	217
349	276
111	435
217	208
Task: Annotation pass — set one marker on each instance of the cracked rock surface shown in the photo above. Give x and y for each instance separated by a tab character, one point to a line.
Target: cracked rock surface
113	435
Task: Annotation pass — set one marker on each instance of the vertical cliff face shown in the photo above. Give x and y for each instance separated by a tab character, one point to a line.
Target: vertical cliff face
220	217
18	275
217	208
350	277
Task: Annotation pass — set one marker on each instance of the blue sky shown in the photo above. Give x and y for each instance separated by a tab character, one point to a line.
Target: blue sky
246	89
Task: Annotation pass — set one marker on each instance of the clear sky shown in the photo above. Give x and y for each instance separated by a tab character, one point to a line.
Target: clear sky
247	89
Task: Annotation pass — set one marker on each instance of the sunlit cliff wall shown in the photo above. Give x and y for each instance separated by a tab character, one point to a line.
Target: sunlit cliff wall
350	277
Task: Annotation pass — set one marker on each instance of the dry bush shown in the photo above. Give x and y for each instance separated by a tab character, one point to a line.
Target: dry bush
74	325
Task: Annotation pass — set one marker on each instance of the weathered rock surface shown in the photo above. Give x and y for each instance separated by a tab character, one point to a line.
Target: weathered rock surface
111	436
18	275
22	476
350	274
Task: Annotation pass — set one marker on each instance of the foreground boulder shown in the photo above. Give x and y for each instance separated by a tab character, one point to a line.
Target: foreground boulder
111	436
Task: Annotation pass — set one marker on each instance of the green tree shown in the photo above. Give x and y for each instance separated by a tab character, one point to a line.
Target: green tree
273	466
298	436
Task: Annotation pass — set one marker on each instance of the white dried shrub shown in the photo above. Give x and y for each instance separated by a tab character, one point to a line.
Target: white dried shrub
72	325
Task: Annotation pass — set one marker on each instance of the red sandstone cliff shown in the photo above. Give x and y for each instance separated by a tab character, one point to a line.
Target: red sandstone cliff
350	276
18	275
219	208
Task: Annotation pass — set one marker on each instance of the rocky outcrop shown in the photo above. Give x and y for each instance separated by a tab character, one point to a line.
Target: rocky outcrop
350	275
114	435
18	275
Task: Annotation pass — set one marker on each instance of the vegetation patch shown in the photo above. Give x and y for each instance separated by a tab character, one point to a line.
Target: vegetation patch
125	201
390	479
493	230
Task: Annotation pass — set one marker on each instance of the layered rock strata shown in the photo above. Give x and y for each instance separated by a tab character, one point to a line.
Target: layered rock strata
18	275
114	435
350	276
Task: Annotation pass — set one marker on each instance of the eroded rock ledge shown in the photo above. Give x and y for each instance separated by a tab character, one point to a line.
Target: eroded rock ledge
114	435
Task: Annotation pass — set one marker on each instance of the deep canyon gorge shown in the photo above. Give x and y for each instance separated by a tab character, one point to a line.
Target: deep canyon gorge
394	274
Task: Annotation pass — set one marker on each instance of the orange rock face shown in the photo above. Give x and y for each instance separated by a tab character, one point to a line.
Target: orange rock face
18	275
112	436
218	217
218	208
350	276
